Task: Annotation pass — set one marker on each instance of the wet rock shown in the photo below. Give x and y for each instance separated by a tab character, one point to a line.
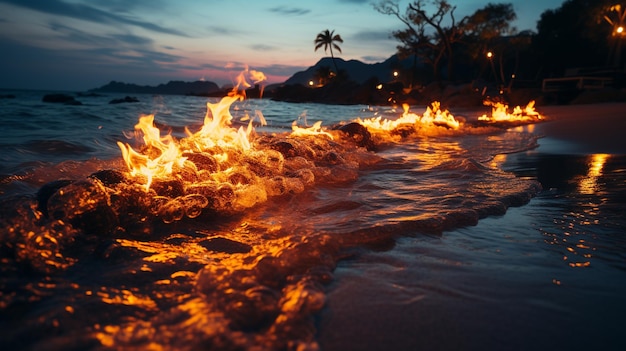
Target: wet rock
359	134
61	99
403	130
225	245
84	204
202	160
285	148
124	100
109	177
44	193
169	188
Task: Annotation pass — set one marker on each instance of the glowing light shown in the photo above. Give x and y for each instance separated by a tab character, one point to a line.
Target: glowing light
163	153
589	183
315	129
489	54
500	113
433	117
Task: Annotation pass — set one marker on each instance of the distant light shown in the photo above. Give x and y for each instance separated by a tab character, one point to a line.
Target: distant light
620	30
513	75
489	54
311	83
395	73
379	86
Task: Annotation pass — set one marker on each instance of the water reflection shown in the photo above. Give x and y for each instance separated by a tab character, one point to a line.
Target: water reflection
588	184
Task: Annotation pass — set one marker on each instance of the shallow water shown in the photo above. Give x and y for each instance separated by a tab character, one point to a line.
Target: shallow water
547	275
420	243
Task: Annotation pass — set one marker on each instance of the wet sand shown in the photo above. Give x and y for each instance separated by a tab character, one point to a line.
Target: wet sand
589	129
502	284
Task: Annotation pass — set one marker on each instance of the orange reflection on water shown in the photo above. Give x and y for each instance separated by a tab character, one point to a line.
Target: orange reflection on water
126	297
589	183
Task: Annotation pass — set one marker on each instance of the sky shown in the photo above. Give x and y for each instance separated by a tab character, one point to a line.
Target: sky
77	45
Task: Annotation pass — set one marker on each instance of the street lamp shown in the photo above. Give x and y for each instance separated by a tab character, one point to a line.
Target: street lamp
616	18
493	68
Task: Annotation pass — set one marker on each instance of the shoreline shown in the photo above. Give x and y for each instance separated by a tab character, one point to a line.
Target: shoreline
589	129
512	281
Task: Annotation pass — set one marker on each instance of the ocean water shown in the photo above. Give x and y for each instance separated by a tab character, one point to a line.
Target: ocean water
484	237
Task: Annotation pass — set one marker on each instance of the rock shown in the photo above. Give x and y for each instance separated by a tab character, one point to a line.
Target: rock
125	99
359	134
61	99
225	245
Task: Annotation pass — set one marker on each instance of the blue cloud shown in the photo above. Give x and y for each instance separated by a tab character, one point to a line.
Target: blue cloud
89	13
289	11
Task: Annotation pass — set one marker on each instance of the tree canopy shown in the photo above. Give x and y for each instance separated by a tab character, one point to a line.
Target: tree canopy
580	33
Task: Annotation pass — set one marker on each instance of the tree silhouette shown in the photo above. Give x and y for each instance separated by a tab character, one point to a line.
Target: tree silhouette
328	40
431	47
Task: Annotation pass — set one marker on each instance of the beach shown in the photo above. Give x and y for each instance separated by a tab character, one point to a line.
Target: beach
500	236
497	285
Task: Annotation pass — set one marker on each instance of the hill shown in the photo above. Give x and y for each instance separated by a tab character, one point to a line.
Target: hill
172	88
357	71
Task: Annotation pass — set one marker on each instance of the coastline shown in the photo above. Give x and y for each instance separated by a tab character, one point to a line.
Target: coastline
543	275
589	129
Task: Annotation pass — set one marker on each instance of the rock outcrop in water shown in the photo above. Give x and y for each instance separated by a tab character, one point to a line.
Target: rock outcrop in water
124	100
61	99
171	87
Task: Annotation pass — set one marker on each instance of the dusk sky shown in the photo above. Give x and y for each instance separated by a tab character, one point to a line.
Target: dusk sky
83	44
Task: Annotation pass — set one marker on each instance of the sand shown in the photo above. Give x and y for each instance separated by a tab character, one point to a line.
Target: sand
505	283
596	128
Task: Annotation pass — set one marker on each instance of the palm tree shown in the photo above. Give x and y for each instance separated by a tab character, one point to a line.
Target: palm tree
327	39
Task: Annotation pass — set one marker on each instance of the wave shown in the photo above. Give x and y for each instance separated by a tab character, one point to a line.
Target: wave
235	253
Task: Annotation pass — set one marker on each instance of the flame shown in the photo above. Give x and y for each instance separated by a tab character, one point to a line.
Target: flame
433	116
256	77
500	113
163	153
315	129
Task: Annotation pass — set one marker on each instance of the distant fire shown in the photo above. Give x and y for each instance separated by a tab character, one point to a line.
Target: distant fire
500	113
434	116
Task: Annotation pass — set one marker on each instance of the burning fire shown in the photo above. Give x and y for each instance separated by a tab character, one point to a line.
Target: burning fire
433	116
315	129
222	159
162	154
500	113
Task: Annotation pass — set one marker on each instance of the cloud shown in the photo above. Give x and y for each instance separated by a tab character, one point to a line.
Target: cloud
89	13
279	70
262	47
223	30
132	39
289	11
373	59
78	36
372	35
356	1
